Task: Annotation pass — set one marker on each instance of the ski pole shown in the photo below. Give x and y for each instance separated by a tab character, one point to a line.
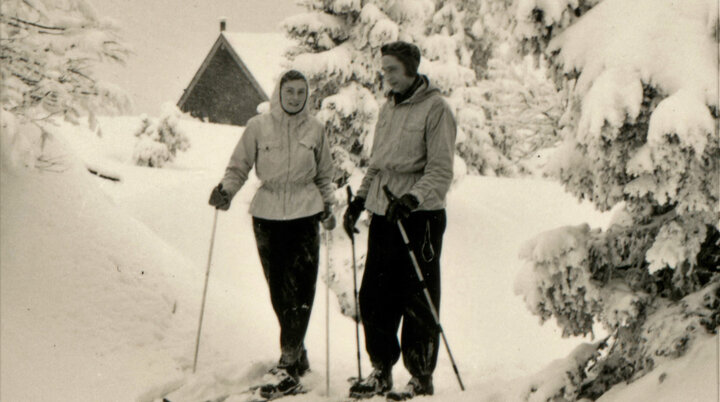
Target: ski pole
207	276
355	293
327	312
433	310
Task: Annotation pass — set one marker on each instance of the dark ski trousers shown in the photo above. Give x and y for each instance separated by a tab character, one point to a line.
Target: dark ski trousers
289	253
391	291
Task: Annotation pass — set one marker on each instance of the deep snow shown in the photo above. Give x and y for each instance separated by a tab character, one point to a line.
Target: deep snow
101	284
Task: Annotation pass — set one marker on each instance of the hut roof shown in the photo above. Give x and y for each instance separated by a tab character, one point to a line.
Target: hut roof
262	53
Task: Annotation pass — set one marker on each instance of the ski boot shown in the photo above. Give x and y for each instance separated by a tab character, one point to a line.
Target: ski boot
284	384
416	386
377	383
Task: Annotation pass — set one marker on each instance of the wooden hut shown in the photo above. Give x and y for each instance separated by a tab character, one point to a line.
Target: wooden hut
236	76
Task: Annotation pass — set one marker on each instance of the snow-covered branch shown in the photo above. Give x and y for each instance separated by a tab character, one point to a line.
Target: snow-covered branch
640	137
48	52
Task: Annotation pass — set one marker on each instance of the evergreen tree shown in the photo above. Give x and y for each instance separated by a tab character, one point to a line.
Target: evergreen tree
146	128
159	143
523	111
521	107
49	48
640	137
339	49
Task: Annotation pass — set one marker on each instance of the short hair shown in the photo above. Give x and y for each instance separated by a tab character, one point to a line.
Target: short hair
407	53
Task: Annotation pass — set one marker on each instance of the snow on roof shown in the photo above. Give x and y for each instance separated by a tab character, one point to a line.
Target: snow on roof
263	55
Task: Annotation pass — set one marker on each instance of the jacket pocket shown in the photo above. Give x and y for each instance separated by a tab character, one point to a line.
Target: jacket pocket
269	159
413	139
305	159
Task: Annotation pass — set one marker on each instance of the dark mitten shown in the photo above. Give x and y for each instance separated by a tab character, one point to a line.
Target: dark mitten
328	218
219	198
400	208
352	214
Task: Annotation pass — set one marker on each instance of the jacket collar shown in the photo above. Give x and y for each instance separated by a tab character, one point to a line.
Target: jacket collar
422	91
399	97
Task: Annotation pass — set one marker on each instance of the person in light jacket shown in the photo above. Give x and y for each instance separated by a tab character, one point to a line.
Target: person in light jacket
412	154
292	159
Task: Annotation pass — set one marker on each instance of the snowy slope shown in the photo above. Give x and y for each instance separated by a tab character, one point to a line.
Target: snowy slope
480	259
89	296
75	256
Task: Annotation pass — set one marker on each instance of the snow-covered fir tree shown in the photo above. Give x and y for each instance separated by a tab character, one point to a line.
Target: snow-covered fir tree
519	101
640	137
339	46
49	48
159	143
506	112
168	130
146	128
448	48
522	109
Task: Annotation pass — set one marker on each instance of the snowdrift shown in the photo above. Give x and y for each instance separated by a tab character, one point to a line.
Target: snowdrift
94	305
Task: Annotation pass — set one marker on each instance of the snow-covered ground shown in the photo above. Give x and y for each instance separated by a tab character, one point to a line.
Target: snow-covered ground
102	282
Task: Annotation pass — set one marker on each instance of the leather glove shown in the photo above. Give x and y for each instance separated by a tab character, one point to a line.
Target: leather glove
219	198
352	214
328	218
400	208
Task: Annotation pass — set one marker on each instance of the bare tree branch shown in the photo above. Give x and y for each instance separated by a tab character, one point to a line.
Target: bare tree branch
36	24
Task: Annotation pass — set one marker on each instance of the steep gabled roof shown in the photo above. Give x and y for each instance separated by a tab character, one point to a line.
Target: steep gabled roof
259	55
263	54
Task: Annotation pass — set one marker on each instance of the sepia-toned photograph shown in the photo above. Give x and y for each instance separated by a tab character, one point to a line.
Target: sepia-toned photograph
360	200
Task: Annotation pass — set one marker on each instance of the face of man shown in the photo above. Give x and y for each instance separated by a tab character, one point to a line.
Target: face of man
293	95
394	74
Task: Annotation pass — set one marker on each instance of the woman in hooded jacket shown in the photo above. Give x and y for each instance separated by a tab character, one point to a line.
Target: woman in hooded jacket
291	156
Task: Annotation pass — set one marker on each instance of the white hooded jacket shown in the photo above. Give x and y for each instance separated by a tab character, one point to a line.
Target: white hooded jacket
292	159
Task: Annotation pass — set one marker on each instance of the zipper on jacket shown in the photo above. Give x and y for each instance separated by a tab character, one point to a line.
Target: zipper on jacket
287	174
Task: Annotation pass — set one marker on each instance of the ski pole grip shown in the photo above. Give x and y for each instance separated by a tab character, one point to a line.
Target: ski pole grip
390	196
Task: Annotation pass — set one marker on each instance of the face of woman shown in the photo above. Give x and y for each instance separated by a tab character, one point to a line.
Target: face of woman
293	96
